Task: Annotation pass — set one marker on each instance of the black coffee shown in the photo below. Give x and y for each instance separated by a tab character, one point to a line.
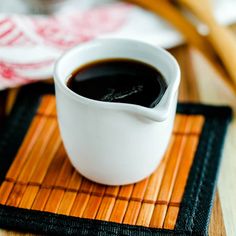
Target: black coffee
119	80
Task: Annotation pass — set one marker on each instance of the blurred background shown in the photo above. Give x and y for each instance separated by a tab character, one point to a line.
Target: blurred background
200	34
48	27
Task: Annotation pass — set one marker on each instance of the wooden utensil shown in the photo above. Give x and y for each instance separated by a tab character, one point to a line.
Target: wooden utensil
169	12
222	39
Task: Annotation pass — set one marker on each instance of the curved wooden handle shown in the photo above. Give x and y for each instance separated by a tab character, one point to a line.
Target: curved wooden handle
169	12
221	38
224	42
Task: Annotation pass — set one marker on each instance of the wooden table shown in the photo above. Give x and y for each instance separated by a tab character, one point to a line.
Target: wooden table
200	82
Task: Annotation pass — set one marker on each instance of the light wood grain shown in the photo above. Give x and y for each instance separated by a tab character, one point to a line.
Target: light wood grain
217	226
214	92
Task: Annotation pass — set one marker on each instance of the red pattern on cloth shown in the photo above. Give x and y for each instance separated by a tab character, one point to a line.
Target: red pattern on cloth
54	33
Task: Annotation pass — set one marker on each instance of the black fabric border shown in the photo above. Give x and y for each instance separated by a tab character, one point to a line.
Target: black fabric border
16	126
56	224
196	205
198	198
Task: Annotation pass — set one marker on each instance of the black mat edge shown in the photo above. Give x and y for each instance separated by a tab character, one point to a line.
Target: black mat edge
197	202
196	205
16	126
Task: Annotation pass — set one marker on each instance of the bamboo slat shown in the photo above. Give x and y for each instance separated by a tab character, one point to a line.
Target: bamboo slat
69	196
107	203
182	175
169	178
171	217
41	199
178	119
121	203
54	200
56	164
94	202
30	140
82	198
152	190
43	165
5	191
62	182
37	151
16	194
47	181
29	197
134	206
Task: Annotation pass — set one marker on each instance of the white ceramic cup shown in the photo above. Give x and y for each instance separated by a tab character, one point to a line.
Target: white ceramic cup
115	143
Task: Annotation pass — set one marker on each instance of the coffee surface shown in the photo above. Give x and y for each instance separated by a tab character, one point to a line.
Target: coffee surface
119	80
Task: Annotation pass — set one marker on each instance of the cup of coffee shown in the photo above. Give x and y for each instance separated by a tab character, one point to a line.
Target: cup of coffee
116	102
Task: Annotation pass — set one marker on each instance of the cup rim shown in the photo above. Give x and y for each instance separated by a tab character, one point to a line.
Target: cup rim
172	87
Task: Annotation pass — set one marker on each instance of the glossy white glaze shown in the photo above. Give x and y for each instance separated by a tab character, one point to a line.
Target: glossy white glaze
115	143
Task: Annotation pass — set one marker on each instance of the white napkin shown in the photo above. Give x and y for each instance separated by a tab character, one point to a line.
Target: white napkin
29	44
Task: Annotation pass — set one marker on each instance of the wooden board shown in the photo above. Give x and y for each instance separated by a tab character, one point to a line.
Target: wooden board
192	70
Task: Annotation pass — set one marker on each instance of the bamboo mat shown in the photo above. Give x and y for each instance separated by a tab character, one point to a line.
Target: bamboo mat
189	92
42	178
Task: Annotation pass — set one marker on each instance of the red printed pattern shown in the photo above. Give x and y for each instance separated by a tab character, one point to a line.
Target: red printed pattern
60	31
12	35
64	30
75	28
12	72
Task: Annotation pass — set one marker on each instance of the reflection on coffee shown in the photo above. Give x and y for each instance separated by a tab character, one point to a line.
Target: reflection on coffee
119	80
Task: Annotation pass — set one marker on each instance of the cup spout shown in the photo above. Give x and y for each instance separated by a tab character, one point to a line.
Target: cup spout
162	110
